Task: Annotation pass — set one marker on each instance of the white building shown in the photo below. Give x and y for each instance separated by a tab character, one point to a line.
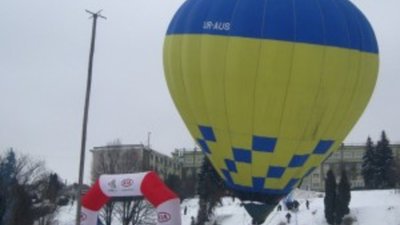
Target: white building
348	157
119	158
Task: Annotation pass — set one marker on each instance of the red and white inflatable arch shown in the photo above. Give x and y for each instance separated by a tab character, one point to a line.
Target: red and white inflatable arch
146	184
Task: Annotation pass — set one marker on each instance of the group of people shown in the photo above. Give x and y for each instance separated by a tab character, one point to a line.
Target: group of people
291	206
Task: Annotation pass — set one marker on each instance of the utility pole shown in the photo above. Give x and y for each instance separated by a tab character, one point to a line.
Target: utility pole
85	115
148	139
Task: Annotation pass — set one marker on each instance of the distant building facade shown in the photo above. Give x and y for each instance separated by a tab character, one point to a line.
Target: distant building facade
190	161
186	164
348	157
121	158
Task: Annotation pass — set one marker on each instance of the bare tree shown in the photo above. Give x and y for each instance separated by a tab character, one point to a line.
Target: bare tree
28	171
135	210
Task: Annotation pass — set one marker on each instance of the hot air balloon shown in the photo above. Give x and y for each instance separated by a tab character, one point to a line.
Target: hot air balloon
269	88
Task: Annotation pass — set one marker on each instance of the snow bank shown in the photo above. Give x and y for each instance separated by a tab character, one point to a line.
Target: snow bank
367	208
380	207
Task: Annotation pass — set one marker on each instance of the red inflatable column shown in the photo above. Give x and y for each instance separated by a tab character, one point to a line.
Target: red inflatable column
163	199
92	203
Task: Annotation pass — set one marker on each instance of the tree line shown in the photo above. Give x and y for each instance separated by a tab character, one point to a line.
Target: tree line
29	193
379	168
337	198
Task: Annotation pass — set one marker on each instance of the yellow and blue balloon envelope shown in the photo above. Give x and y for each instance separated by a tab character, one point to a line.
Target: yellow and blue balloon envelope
269	88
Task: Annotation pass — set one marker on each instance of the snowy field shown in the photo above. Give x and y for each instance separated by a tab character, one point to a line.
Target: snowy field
367	208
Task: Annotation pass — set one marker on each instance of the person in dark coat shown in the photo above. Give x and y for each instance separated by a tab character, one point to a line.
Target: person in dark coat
288	216
192	221
307	204
296	205
279	207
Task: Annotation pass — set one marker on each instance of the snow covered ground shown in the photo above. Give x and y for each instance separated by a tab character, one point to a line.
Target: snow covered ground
380	207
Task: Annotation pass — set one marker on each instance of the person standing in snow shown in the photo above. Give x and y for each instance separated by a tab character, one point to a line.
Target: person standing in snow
296	205
307	204
192	221
288	216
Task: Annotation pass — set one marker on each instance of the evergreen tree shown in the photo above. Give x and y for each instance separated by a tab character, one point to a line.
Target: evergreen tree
53	188
330	197
175	184
210	189
368	170
385	165
2	190
343	198
7	183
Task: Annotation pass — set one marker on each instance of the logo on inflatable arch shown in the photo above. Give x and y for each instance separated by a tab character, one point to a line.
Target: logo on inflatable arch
83	216
163	217
112	184
127	182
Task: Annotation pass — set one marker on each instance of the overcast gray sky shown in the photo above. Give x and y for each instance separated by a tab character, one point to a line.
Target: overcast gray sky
44	46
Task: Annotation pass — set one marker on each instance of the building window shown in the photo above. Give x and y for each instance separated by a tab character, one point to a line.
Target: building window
358	154
348	155
336	155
